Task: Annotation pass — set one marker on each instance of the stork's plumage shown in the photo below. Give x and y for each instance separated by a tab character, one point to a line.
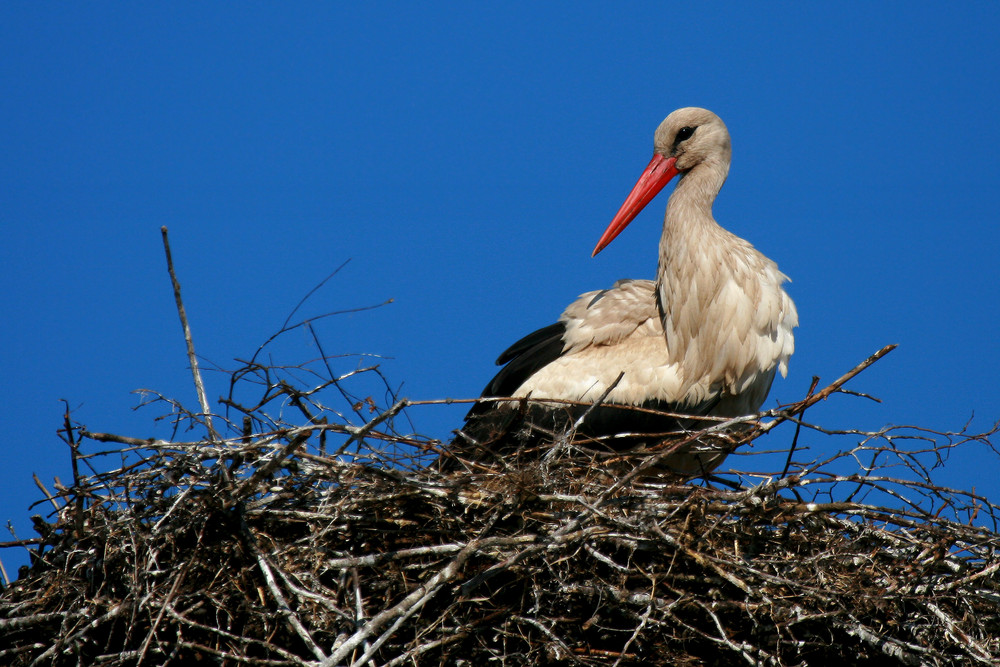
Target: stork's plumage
704	338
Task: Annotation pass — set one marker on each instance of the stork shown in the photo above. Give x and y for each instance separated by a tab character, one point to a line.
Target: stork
705	338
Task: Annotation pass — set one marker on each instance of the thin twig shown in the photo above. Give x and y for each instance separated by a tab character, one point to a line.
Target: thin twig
798	428
189	342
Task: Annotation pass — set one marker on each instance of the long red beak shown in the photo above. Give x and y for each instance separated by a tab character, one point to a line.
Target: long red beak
658	173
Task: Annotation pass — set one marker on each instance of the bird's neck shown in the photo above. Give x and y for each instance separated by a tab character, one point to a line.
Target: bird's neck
690	204
696	257
691	241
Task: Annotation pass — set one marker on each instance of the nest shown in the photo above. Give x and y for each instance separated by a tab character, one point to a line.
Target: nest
331	535
317	539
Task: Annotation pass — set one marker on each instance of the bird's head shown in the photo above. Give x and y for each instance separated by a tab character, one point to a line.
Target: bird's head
691	136
685	139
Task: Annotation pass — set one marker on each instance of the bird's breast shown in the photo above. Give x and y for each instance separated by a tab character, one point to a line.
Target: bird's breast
726	320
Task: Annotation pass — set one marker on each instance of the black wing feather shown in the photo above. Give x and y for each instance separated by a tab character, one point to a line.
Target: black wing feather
526	357
543	335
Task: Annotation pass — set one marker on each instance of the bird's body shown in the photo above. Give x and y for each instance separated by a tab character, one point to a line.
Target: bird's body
704	338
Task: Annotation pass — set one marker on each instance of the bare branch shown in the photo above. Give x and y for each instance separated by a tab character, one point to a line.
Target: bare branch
192	357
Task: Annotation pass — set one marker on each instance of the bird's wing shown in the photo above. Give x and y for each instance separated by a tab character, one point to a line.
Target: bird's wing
605	340
596	318
607	317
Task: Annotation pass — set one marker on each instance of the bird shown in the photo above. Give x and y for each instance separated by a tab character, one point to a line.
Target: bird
705	338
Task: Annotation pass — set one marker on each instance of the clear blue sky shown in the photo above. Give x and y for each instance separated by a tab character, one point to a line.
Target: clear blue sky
466	159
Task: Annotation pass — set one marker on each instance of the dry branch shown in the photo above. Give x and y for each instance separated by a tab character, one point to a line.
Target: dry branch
192	357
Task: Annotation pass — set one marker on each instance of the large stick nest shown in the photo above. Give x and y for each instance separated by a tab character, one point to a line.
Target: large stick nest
321	539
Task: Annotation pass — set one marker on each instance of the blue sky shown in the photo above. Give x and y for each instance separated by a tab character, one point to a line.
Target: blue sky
465	159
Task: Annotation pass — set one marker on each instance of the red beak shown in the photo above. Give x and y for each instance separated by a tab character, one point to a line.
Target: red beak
658	173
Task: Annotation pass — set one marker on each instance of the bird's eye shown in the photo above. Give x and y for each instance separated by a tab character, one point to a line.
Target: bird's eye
684	134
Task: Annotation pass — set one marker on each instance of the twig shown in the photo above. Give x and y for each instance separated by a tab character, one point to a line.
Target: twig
564	650
798	427
286	611
120	439
192	357
163	609
599	401
74	448
405	608
248	486
800	406
45	491
359	433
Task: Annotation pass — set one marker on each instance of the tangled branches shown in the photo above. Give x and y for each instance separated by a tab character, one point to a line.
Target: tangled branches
308	528
318	539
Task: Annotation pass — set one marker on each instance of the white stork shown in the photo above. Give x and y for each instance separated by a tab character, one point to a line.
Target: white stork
704	338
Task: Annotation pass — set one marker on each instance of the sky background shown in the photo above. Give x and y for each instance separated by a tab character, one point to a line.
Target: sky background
466	159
